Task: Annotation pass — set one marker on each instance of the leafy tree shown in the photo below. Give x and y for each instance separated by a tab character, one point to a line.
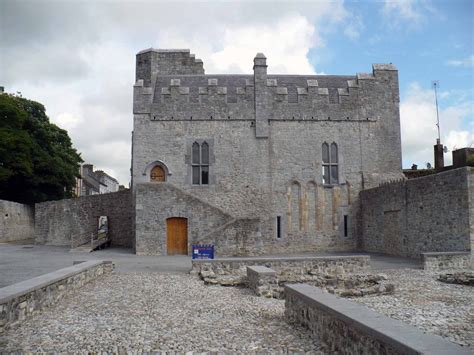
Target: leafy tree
37	159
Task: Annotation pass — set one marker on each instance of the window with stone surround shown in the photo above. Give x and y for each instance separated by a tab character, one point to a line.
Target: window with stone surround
330	164
200	163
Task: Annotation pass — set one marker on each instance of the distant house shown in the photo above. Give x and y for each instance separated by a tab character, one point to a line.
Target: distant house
107	182
94	182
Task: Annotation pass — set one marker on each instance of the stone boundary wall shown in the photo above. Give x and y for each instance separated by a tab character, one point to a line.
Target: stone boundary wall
350	328
446	261
294	265
262	280
21	300
59	221
433	213
17	221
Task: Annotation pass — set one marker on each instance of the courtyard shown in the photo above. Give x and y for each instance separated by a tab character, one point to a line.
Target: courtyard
152	304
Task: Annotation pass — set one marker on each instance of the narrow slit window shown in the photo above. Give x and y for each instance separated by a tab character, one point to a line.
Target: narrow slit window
278	227
346	226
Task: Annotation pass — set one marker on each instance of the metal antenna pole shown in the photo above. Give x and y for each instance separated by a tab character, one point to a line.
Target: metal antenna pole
435	86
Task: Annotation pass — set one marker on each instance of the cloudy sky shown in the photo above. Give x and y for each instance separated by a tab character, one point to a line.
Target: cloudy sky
78	58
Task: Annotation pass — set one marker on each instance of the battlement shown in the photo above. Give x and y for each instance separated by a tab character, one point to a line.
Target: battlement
152	62
174	87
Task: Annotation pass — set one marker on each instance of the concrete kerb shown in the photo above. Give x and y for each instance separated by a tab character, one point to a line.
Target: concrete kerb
21	300
21	288
402	337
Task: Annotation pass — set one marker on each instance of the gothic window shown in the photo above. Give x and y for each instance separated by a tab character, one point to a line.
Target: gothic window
330	164
200	163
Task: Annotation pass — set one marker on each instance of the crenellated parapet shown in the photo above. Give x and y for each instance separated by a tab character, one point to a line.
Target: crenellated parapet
181	91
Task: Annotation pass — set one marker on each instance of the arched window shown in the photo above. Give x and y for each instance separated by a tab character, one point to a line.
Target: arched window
330	164
157	174
200	163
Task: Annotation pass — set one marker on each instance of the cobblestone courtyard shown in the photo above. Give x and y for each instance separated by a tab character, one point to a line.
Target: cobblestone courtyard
430	305
167	312
151	303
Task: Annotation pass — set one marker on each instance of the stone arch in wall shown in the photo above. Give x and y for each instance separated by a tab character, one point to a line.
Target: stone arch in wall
295	202
156	171
311	203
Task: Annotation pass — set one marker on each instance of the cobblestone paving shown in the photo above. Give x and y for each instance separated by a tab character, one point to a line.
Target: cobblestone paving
166	312
428	304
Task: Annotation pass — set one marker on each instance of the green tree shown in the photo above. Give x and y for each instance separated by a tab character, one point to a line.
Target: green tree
37	160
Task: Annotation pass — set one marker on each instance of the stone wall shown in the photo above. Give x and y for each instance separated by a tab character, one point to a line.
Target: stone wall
59	221
265	134
158	202
428	214
16	221
286	268
350	328
446	261
21	300
262	280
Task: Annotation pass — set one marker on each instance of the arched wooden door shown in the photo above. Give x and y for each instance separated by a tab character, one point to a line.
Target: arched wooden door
157	174
177	236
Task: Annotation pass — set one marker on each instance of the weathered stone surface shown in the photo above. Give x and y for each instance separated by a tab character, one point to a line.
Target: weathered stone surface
446	261
461	277
433	213
352	329
265	134
266	282
16	221
59	221
235	271
424	302
24	299
151	312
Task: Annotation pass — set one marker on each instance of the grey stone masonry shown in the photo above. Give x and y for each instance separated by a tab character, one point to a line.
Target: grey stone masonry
446	261
262	280
16	221
59	221
23	299
265	135
350	328
433	213
284	266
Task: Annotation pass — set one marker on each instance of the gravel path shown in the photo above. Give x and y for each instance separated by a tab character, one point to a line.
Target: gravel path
151	312
428	304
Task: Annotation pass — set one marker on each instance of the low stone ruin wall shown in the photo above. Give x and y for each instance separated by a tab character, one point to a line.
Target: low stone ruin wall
446	261
233	271
21	300
265	282
460	278
262	280
350	328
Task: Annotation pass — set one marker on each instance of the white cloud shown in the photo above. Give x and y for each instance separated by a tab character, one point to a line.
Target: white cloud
407	13
465	63
418	126
78	58
354	27
294	34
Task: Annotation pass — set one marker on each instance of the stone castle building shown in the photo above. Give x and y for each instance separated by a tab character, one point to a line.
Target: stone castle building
256	164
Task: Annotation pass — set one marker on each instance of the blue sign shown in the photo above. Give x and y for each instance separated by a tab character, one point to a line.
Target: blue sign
203	251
